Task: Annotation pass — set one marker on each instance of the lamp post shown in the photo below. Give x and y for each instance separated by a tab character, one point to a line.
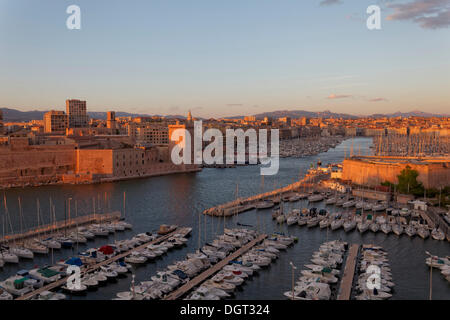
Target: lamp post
293	268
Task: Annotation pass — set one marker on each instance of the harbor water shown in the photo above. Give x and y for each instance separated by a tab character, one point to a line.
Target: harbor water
180	199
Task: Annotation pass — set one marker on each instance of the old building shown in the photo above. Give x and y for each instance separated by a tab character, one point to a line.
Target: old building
372	171
55	122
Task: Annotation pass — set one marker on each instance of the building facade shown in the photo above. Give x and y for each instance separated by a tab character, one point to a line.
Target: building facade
76	111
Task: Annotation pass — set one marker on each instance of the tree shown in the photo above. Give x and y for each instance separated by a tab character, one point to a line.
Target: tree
407	182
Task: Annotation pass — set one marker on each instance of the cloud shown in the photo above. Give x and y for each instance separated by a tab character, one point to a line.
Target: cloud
378	99
339	96
429	14
329	2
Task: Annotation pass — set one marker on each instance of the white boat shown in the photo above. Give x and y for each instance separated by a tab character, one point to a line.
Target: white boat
51	244
292	219
310	291
135	258
363	226
349	225
8	257
302	221
45	274
324	223
348	204
423	232
336	224
16	285
75	289
22	252
386	228
404	212
36	247
315	198
374	227
312	222
330	201
410	231
48	295
397	229
437	234
281	218
5	295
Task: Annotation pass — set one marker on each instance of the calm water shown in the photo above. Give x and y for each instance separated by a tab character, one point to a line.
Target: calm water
179	199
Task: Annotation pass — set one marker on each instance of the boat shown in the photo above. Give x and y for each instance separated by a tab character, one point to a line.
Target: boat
8	257
410	231
330	201
5	295
17	285
36	247
302	220
437	234
45	274
423	232
315	198
312	222
48	295
404	212
266	204
21	252
397	229
337	223
349	225
324	223
281	218
374	227
386	228
363	226
349	204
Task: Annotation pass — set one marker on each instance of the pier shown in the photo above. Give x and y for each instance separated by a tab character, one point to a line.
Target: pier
345	288
212	270
62	226
89	269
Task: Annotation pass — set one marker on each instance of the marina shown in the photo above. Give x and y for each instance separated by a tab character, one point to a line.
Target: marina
183	205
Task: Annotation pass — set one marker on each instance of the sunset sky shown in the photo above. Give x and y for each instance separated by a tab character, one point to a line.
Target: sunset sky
224	58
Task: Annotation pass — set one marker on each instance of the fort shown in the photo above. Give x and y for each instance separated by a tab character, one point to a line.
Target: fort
85	160
434	172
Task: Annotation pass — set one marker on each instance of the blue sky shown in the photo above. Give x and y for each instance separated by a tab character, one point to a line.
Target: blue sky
222	58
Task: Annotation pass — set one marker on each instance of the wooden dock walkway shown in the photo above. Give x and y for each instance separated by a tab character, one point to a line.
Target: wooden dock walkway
345	288
63	225
215	268
92	268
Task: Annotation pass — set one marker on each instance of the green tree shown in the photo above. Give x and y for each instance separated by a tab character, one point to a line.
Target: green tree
407	182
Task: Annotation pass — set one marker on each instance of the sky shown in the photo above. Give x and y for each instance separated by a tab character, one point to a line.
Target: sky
225	58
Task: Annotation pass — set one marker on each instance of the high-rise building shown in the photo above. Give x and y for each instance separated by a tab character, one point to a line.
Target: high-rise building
76	111
55	122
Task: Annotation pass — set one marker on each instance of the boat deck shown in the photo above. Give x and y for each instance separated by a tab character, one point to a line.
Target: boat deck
94	267
349	272
212	270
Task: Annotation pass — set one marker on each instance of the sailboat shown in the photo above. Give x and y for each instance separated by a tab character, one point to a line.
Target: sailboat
17	250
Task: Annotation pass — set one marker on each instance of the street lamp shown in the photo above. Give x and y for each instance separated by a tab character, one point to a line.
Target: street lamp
293	268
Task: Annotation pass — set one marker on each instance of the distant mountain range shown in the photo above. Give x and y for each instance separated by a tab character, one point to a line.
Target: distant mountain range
14	115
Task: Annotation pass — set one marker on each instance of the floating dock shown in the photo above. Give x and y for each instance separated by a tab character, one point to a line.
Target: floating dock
62	226
345	288
213	269
89	269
